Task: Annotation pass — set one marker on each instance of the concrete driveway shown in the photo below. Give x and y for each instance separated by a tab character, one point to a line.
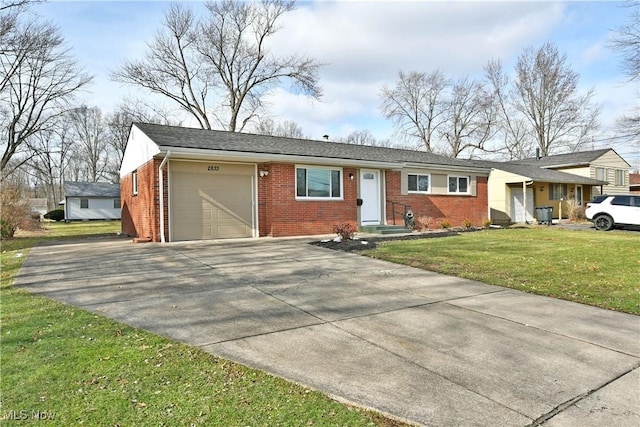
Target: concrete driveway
423	347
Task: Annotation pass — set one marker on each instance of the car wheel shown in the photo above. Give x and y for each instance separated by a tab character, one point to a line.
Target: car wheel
604	222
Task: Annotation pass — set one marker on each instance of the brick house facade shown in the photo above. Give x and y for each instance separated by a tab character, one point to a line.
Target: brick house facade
218	184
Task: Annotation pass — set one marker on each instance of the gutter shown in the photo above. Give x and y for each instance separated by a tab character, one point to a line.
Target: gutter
161	195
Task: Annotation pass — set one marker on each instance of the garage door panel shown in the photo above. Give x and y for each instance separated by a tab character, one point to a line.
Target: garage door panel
206	205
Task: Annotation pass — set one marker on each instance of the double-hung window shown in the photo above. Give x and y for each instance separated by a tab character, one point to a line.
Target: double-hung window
557	191
620	177
318	183
601	174
419	183
84	203
459	184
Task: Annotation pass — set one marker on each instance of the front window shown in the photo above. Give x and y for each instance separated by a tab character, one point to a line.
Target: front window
459	184
558	192
619	177
116	203
601	174
419	183
318	183
84	203
134	180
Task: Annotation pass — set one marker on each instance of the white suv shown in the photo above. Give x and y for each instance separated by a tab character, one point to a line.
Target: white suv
607	212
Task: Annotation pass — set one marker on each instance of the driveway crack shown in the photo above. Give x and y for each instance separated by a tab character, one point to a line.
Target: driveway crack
541	420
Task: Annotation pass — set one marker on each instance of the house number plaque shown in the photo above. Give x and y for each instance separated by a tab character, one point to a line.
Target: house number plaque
213	168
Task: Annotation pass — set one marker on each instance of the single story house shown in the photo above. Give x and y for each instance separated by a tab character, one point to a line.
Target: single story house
549	180
91	200
188	184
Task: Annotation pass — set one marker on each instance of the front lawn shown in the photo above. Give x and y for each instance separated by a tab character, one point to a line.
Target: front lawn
72	367
596	268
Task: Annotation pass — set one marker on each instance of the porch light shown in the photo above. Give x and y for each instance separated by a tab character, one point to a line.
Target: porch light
351	176
542	188
263	173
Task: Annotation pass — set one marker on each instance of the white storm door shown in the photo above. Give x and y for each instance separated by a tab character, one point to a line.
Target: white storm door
370	211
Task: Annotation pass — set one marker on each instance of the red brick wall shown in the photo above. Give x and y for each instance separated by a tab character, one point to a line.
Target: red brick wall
141	213
452	208
280	214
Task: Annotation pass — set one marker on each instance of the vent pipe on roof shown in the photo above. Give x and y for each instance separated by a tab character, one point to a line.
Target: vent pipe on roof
326	137
537	154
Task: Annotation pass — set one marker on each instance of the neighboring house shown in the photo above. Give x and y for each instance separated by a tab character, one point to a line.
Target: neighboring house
634	182
190	184
38	207
549	180
91	200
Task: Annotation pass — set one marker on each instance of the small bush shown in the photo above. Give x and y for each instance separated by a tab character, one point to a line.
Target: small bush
486	222
55	215
14	211
346	231
467	223
423	222
574	210
445	224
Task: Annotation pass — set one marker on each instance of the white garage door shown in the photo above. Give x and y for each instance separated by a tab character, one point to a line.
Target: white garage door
211	200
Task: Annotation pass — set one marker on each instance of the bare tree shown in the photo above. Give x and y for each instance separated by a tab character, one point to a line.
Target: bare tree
224	54
541	107
38	77
510	128
89	129
546	95
287	128
626	40
52	149
171	66
469	116
415	105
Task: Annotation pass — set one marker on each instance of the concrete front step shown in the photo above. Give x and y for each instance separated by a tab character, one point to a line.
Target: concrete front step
383	229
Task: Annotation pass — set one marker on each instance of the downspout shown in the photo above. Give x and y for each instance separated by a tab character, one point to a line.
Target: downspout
524	199
161	182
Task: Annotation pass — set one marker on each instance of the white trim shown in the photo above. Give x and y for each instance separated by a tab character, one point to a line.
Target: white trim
310	198
429	190
376	173
468	178
161	195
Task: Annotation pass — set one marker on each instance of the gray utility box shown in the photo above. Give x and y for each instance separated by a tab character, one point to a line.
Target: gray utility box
544	214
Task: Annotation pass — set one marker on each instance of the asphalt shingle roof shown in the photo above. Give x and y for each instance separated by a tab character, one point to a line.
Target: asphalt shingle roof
91	189
546	175
580	158
172	136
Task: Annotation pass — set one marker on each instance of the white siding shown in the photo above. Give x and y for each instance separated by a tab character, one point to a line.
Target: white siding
138	153
99	208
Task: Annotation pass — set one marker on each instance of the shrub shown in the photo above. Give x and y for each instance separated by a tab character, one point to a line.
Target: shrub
445	224
486	222
467	223
574	210
14	211
423	222
345	230
55	215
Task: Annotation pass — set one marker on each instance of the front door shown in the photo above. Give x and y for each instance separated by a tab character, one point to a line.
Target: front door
579	195
370	195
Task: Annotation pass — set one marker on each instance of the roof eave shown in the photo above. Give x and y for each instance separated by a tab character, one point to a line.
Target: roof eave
178	153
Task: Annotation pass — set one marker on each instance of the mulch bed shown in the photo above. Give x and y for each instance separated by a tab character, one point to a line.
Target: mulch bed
362	243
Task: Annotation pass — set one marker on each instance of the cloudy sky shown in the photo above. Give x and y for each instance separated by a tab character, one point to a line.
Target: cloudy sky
364	45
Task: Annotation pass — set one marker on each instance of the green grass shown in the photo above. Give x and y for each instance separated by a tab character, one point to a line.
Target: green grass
77	368
595	268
